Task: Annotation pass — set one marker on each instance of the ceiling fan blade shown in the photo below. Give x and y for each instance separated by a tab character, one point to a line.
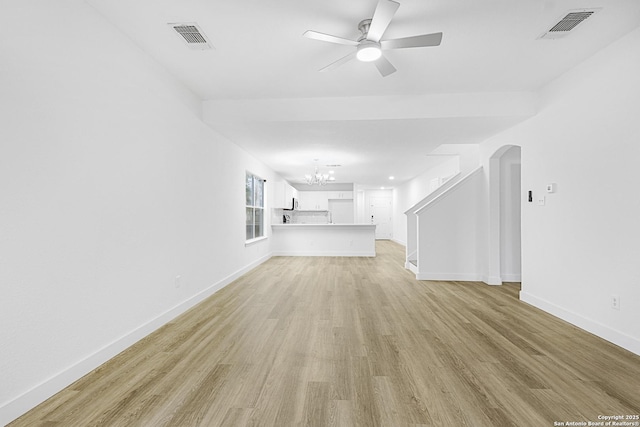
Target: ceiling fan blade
328	38
381	19
339	62
384	66
415	41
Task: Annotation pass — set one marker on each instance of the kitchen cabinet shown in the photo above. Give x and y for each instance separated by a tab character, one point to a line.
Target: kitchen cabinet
289	194
346	240
319	200
313	200
344	195
283	195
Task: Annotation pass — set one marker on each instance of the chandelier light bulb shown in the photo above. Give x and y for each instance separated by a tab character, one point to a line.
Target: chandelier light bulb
316	178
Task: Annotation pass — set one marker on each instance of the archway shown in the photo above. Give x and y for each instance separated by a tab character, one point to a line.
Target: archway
504	215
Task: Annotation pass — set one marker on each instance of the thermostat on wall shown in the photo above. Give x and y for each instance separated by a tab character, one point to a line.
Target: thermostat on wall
551	188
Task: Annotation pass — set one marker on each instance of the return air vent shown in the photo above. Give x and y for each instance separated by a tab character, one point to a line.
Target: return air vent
568	22
192	35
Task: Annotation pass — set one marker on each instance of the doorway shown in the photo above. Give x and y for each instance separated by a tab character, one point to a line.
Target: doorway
505	203
510	213
380	214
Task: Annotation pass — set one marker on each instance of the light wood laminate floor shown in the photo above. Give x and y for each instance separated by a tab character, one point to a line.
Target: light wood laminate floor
354	342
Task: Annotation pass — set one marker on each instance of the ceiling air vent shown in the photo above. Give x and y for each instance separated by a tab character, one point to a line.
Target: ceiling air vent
568	22
192	35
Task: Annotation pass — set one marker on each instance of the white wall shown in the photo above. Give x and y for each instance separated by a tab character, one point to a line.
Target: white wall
446	161
342	211
448	232
110	187
583	245
411	192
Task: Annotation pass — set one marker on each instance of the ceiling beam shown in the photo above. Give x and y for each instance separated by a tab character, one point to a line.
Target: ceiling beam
499	104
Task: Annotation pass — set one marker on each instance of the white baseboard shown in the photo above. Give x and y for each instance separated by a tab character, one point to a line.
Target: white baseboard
605	332
512	278
449	277
498	280
492	280
14	408
401	243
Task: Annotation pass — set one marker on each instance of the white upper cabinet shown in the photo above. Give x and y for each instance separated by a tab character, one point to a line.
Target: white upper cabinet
340	195
313	200
283	195
319	200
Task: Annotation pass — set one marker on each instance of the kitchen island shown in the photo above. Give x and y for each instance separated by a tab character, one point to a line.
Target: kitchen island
324	240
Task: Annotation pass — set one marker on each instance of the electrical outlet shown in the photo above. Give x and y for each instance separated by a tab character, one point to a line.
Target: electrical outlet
615	302
178	281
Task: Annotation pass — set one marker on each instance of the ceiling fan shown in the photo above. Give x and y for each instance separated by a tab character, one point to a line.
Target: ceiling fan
369	45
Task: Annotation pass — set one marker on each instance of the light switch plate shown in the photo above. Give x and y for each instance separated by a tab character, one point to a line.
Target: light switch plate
551	188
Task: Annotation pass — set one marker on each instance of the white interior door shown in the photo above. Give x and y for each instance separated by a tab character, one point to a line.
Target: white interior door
380	213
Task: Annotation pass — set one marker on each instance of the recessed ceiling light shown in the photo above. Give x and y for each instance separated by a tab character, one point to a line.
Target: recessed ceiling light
382	188
331	172
392	178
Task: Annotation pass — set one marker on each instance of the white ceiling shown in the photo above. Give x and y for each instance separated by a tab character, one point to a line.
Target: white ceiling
264	92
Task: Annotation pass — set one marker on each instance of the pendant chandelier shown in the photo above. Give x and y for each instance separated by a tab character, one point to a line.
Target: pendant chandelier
317	178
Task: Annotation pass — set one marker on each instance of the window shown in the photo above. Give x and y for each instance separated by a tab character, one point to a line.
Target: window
255	207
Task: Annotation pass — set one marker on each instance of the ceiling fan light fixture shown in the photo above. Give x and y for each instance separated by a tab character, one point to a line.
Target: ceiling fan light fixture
368	51
370	44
